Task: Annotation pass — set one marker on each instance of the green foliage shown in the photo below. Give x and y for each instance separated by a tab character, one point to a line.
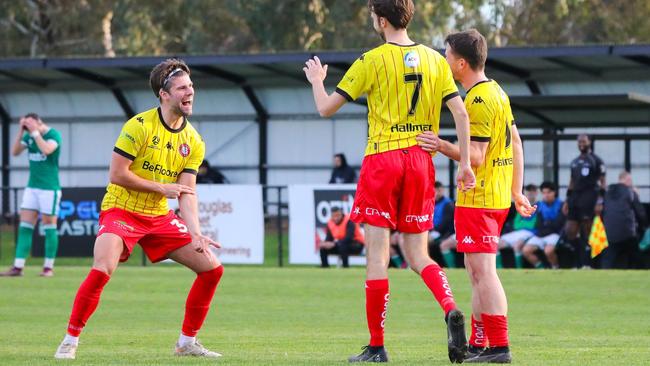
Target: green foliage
40	28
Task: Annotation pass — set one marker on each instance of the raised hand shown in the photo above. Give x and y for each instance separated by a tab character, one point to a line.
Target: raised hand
314	70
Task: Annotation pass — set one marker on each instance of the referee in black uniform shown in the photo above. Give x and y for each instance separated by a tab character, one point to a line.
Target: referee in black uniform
584	198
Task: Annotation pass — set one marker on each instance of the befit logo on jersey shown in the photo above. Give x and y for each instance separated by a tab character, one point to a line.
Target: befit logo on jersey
411	59
501	162
410	127
157	168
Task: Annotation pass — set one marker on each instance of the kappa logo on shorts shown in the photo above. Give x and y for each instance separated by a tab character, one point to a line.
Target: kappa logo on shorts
357	210
468	240
373	211
490	239
417	218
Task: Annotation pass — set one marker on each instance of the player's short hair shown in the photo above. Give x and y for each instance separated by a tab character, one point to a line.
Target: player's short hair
438	184
335	209
530	187
548	185
398	12
471	46
165	71
33	115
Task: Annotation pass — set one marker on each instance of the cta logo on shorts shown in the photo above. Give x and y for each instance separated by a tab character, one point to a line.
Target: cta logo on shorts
417	218
375	212
468	240
487	239
123	225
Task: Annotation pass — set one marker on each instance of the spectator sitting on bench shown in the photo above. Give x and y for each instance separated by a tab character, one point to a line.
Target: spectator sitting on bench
344	238
550	222
523	229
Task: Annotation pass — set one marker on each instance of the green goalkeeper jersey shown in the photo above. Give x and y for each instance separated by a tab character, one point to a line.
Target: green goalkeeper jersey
43	169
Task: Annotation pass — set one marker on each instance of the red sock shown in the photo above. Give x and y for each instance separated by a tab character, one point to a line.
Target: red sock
376	309
496	329
436	280
198	300
477	339
86	300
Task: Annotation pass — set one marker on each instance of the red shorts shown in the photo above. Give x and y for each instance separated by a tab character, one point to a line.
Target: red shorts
396	191
157	235
478	229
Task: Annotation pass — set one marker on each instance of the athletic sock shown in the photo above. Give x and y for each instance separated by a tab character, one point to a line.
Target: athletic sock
86	300
68	339
496	329
48	263
51	243
184	340
436	280
24	243
377	296
519	260
199	299
477	338
397	261
499	262
450	258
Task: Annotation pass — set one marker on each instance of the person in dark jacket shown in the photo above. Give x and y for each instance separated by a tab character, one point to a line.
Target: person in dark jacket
344	238
210	175
550	221
622	215
342	172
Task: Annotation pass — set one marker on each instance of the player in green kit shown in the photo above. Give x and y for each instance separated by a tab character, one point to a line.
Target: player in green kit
43	192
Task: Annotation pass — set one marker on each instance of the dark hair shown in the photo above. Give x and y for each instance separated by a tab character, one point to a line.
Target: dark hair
588	136
335	209
469	45
164	72
438	184
32	115
530	187
548	185
398	12
344	160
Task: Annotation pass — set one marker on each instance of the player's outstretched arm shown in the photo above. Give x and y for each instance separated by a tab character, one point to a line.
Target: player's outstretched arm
316	73
521	202
120	175
188	204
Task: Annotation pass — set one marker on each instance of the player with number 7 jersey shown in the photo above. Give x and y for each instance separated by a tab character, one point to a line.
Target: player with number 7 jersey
157	156
406	85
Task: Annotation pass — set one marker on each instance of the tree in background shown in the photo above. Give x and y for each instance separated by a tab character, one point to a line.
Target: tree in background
41	28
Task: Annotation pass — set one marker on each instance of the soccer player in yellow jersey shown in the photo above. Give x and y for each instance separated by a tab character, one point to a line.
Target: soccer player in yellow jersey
156	157
406	84
496	155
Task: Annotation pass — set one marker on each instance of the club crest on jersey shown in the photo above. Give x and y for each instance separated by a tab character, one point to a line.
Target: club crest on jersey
184	150
411	59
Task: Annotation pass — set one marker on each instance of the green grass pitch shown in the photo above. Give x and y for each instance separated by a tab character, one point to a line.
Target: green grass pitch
311	316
